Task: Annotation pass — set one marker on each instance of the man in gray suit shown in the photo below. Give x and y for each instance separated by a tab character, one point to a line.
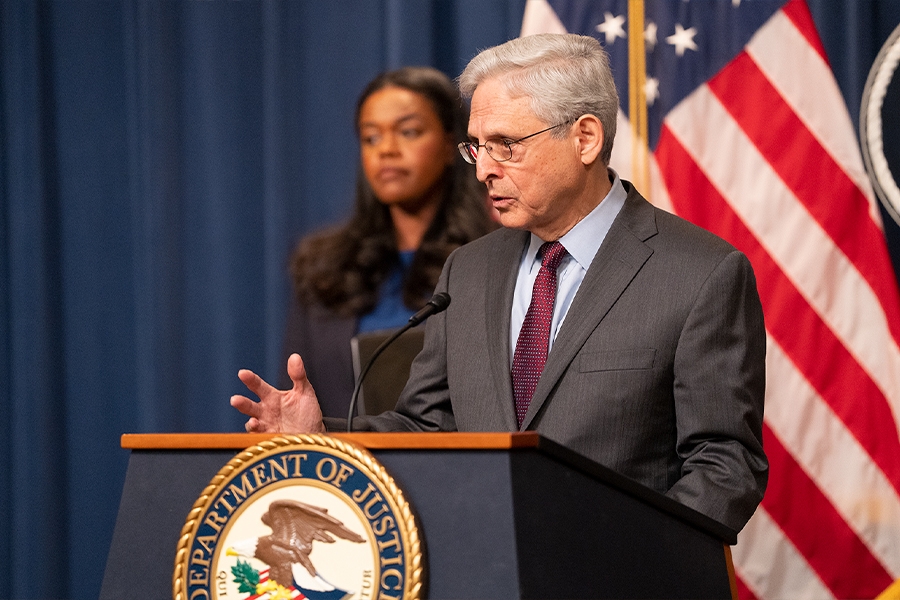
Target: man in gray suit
638	341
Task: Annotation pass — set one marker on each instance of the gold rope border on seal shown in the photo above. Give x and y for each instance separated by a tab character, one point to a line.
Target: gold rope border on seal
414	569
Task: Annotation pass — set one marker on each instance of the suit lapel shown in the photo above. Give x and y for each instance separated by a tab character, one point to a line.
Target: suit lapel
498	300
621	255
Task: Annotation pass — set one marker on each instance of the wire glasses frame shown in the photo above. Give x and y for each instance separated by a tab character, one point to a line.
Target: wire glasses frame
500	150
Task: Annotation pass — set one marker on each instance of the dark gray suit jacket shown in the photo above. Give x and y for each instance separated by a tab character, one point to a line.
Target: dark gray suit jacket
658	370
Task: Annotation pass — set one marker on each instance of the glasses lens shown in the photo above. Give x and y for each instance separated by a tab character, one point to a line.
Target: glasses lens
468	151
499	150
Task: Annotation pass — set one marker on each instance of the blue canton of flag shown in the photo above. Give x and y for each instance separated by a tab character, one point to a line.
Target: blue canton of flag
686	42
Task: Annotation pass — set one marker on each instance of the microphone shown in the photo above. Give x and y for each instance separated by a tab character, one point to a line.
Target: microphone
438	303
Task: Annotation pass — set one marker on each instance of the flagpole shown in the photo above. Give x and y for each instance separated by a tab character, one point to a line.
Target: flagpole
637	98
891	593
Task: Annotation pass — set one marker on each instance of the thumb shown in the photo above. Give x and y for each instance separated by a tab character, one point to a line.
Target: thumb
296	370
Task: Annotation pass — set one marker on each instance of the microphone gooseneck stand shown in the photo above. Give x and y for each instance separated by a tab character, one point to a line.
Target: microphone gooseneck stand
438	303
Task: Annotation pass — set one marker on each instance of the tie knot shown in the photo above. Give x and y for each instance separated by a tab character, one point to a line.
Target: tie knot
552	254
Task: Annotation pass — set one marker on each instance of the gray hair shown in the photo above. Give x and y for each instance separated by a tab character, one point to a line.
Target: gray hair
565	75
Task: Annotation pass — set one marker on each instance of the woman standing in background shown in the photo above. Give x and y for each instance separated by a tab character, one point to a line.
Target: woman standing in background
416	201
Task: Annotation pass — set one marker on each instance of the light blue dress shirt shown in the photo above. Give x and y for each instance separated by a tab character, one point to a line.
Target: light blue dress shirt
582	243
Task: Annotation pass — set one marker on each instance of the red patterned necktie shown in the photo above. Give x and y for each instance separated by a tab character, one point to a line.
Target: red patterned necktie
534	338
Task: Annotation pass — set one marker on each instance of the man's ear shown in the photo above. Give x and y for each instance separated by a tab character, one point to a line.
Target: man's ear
589	138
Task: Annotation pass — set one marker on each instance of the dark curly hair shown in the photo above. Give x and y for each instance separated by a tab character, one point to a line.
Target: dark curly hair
342	268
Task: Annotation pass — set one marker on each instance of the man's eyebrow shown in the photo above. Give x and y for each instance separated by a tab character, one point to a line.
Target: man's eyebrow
491	136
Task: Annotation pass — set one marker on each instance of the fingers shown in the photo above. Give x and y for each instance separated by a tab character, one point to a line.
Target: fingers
294	410
254	382
246	406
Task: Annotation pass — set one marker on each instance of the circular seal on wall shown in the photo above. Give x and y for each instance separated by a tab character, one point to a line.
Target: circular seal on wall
304	516
879	125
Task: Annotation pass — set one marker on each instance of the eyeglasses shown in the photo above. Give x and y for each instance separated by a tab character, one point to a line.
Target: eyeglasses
500	150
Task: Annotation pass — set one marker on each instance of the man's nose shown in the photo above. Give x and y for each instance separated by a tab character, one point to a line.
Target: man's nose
485	166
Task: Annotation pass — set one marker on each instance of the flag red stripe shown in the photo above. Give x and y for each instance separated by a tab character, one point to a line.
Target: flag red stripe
846	221
797	328
808	548
744	592
798	12
831	548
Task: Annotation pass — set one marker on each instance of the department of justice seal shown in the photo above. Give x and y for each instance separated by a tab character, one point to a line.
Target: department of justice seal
879	125
306	516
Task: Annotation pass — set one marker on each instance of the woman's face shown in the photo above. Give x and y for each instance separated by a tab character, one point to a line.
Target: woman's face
403	147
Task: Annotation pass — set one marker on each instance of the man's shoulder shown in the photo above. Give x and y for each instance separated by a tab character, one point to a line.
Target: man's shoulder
676	228
661	228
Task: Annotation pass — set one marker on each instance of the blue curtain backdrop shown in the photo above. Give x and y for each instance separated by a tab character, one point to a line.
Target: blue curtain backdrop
158	160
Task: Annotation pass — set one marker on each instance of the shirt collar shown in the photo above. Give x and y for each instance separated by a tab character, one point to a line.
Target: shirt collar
585	238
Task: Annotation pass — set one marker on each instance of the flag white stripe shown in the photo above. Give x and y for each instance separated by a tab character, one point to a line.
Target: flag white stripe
539	17
833	458
771	566
621	163
781	52
791	236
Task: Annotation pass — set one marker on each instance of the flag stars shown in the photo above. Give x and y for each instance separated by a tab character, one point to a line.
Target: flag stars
612	28
650	36
651	90
682	39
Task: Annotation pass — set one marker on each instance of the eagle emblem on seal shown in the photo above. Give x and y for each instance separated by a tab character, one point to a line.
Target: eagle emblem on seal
295	526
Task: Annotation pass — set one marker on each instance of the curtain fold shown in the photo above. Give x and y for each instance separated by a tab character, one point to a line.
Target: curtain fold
158	162
34	479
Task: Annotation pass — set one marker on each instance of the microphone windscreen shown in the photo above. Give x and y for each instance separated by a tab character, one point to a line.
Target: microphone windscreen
441	301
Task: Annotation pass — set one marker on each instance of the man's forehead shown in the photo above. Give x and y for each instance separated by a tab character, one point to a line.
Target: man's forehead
495	110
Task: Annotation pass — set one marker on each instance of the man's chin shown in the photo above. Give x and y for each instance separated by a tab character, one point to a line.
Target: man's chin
511	219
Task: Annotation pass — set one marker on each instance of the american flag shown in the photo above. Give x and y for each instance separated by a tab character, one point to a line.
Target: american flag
749	137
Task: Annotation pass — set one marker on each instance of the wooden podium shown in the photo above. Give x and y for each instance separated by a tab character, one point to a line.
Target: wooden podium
502	515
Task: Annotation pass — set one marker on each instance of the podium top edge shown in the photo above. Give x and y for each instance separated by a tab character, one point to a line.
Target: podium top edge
374	441
525	440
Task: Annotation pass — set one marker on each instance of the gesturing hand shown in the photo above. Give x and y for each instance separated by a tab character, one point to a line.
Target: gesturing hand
280	411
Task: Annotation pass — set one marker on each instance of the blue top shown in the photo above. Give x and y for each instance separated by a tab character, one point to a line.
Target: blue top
390	312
